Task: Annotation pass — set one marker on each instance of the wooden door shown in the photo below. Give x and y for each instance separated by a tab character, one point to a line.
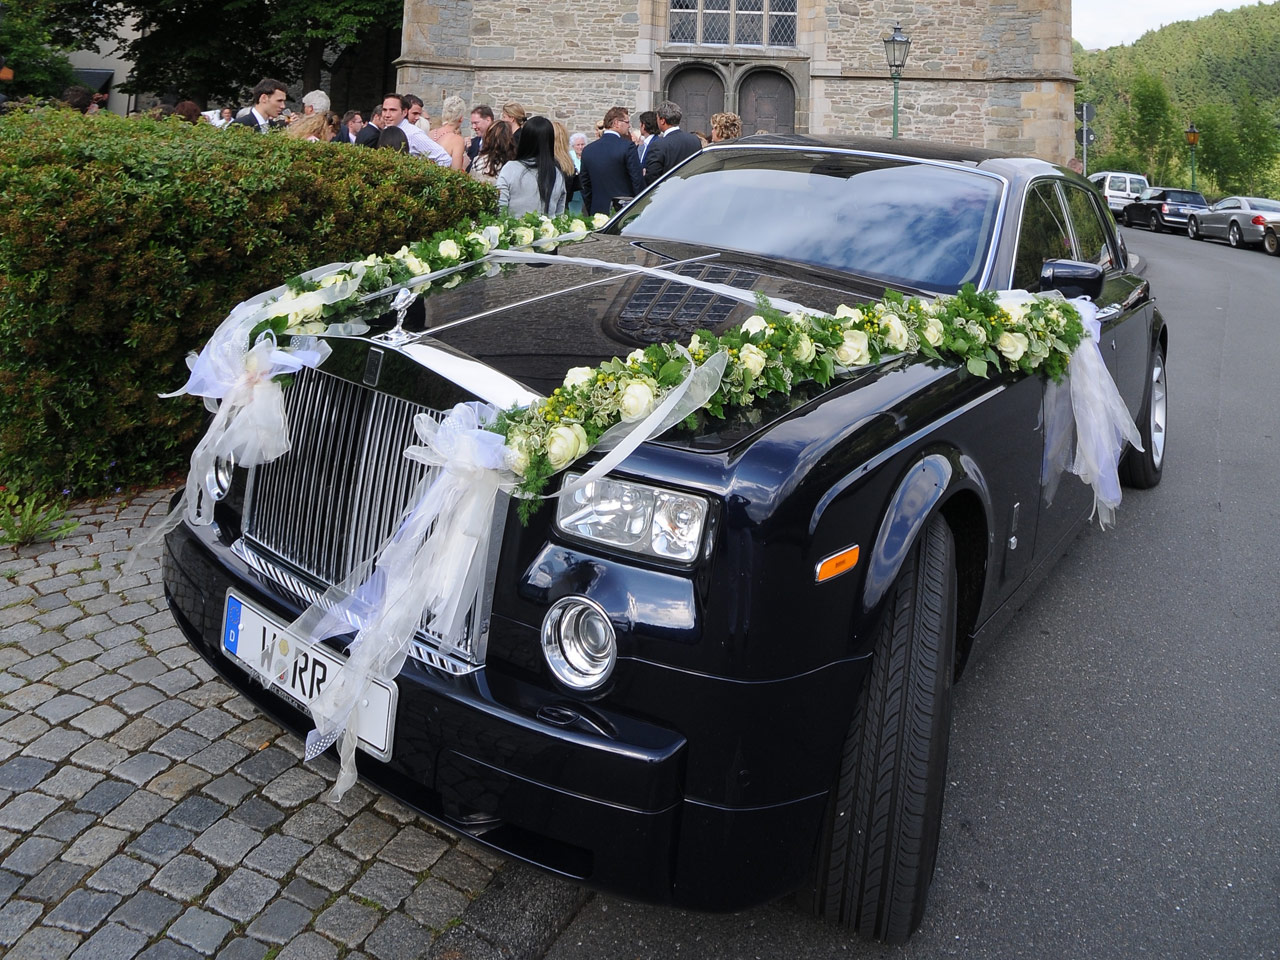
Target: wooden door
766	101
700	93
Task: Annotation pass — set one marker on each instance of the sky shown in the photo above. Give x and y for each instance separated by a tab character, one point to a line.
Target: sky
1106	23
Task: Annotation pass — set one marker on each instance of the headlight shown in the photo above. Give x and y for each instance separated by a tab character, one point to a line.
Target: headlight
632	516
579	643
218	480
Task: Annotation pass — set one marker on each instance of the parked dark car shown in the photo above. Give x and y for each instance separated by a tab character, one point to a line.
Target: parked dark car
766	727
1241	221
1164	208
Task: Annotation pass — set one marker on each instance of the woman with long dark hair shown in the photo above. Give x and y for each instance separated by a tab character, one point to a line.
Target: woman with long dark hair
497	149
532	182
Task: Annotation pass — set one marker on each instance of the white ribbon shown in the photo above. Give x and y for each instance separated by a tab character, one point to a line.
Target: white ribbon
1103	423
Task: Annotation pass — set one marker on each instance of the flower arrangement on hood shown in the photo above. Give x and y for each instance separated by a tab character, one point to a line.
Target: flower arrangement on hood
771	352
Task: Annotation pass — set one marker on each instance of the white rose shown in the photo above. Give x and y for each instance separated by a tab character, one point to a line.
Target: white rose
518	452
565	444
934	331
417	266
333	279
1012	346
371	260
636	400
481	239
548	229
299	317
599	220
577	226
804	350
797	316
854	351
753	358
753	325
977	331
895	332
635	356
850	313
449	250
579	376
523	236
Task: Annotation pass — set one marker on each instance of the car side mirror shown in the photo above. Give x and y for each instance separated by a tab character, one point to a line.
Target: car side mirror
1072	278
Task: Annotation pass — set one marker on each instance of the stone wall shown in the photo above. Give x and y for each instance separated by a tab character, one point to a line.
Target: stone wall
993	73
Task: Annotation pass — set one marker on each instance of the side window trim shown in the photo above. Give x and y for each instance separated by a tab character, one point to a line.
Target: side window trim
1108	235
1066	228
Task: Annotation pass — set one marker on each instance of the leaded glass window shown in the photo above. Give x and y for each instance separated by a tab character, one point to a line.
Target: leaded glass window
751	23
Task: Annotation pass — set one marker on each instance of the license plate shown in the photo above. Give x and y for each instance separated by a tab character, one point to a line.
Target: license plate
299	671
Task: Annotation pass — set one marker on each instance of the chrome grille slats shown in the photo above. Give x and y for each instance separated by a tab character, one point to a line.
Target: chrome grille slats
312	515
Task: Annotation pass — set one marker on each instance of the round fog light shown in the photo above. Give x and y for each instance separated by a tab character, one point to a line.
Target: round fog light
579	643
218	480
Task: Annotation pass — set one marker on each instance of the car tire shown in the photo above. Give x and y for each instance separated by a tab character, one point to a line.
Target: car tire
1271	243
1156	224
1193	229
1234	237
880	840
1142	469
1128	219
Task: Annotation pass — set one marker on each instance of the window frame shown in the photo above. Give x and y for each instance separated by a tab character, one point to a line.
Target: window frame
765	12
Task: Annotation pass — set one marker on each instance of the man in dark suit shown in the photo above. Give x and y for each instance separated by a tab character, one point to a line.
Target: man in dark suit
648	131
610	165
371	131
269	97
671	146
481	121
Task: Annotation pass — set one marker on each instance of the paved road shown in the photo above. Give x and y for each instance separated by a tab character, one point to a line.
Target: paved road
146	810
1114	786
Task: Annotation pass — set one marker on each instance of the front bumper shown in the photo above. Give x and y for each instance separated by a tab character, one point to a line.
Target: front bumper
600	802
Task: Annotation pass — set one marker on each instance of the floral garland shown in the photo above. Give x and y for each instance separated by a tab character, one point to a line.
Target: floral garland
772	351
768	354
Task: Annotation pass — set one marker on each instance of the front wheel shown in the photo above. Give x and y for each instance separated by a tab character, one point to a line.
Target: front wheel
876	858
1234	236
1193	229
1271	243
1143	468
1128	219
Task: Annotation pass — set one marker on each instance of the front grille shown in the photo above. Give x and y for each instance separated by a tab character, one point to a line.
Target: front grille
312	515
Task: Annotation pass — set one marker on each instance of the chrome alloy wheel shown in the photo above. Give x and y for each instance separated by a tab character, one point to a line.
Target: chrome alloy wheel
1159	410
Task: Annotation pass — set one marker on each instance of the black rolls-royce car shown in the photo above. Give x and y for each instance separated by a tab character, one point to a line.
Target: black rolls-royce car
761	704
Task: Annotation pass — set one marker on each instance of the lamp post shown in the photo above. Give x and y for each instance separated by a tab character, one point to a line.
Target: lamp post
896	48
1193	137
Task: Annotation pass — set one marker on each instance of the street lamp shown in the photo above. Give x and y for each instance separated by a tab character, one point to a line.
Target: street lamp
896	48
1193	137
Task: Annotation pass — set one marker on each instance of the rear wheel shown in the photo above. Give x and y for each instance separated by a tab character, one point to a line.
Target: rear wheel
1271	243
1234	236
1144	468
1156	223
883	818
1193	229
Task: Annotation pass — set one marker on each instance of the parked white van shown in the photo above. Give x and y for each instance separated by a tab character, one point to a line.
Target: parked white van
1119	188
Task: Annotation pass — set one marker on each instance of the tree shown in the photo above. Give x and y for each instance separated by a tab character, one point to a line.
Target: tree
1259	139
25	43
1152	131
1218	153
205	50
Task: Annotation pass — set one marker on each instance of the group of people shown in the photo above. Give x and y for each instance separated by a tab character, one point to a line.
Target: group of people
535	163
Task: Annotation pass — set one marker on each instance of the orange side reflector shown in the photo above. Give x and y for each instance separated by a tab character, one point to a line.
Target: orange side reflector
837	564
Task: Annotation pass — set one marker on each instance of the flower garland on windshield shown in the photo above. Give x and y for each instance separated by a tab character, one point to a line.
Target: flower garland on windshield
772	351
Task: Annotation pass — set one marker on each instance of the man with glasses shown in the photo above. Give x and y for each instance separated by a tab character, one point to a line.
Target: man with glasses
610	165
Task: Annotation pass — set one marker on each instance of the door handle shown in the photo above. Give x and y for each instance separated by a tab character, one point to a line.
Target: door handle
1109	313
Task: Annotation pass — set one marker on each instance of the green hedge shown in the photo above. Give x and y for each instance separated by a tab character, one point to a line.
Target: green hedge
123	244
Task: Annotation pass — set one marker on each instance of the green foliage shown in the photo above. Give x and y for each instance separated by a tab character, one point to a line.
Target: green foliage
25	38
123	244
26	520
1221	71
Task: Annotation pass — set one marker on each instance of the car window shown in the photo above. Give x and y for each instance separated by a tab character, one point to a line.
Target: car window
1092	245
1271	206
1185	196
1116	183
1231	203
1137	184
1150	194
1042	236
924	225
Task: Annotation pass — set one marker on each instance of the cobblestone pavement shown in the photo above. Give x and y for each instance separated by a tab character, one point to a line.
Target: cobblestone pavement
147	810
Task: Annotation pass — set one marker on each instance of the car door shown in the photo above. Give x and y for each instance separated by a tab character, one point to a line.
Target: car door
1217	218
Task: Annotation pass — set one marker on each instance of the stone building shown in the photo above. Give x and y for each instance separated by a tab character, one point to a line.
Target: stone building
994	73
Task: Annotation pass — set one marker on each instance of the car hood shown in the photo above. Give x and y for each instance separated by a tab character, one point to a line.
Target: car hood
534	321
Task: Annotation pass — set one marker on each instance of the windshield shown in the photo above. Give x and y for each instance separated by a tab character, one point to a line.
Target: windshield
909	223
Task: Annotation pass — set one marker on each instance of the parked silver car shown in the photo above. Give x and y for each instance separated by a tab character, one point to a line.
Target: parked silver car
1240	221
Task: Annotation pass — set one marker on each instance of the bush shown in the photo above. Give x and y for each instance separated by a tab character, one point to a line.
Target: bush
123	244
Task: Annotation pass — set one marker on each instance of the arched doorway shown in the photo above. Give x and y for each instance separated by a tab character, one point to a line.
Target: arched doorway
767	101
700	93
